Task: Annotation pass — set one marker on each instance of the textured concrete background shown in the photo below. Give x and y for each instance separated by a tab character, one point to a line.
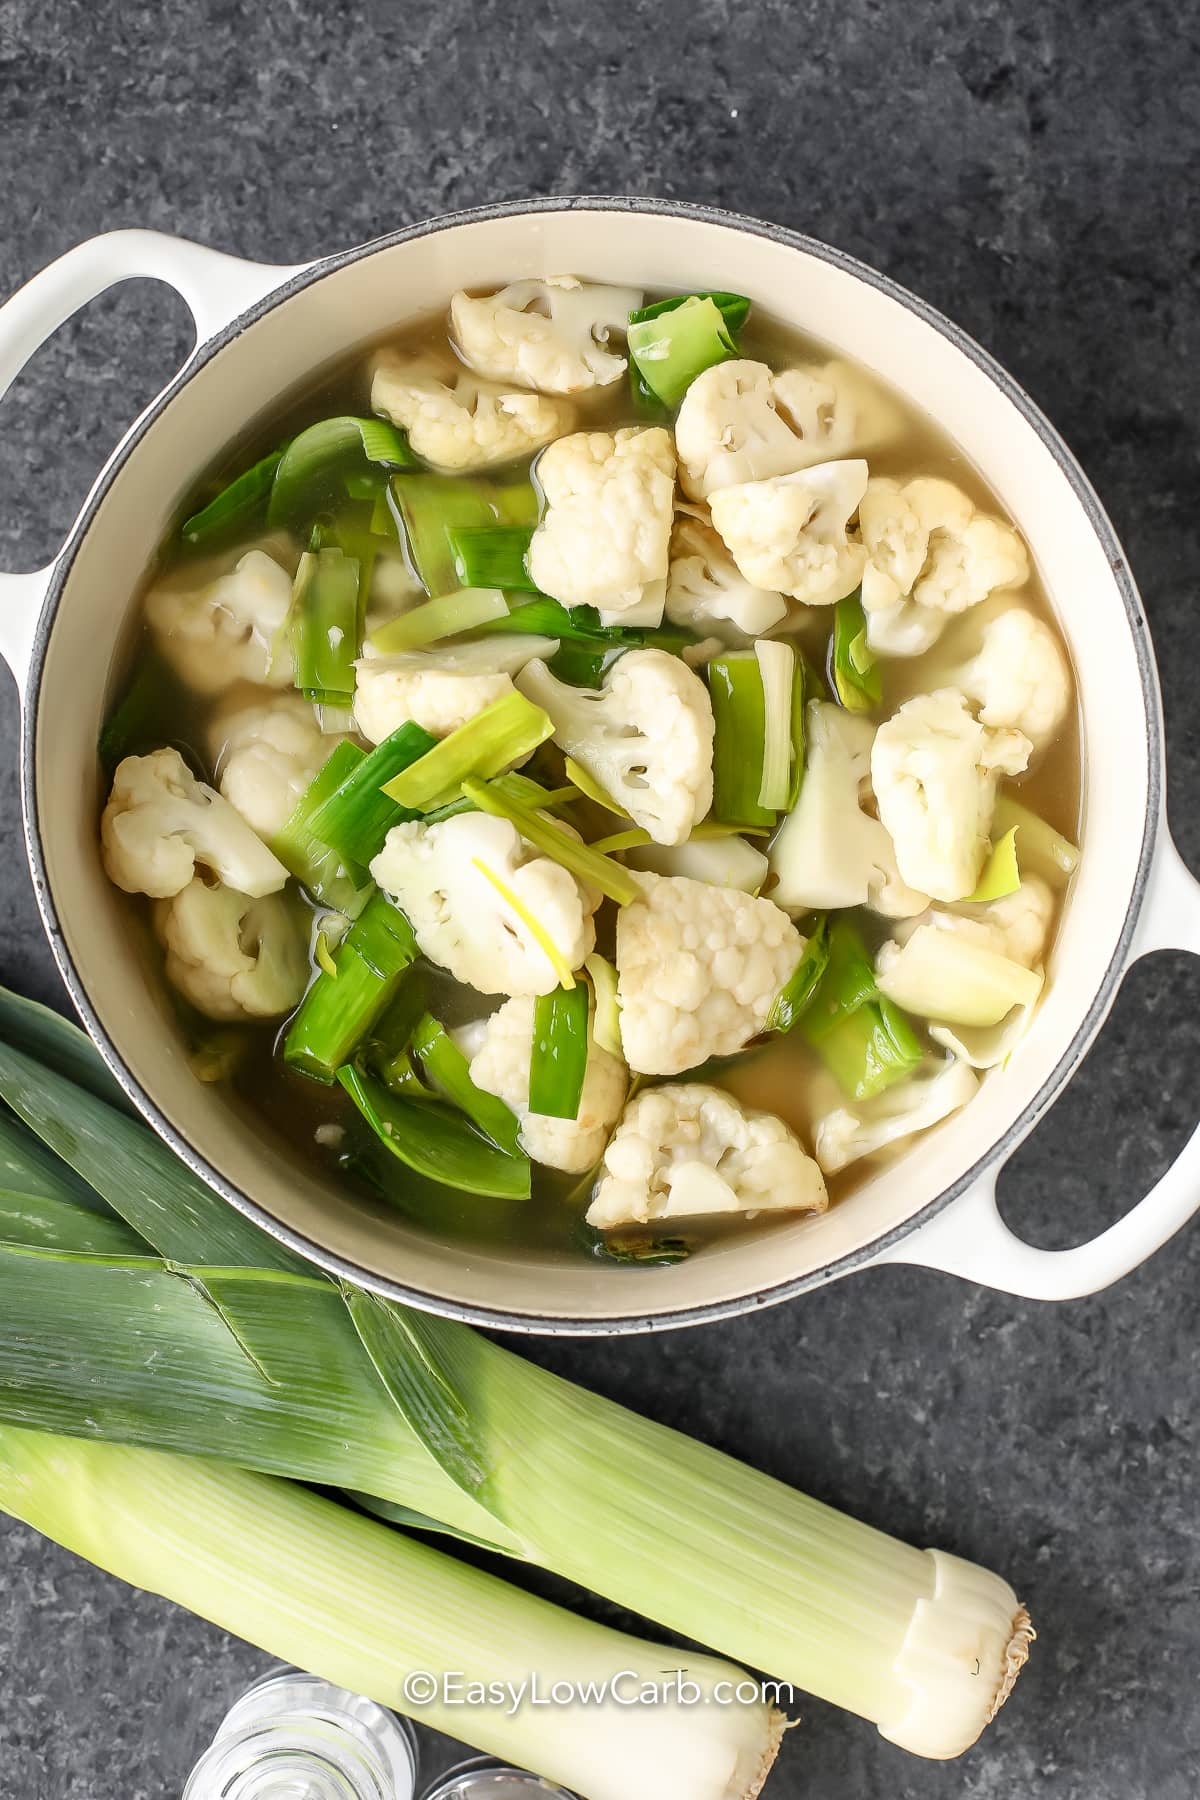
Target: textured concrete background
1031	170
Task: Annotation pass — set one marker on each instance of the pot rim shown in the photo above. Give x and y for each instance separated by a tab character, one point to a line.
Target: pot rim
551	1325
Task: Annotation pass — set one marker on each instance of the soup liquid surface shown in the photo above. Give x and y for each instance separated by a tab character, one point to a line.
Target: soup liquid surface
300	1117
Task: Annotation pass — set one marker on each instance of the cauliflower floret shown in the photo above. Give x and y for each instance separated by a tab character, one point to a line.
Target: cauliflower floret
930	555
740	423
698	968
441	877
500	1066
605	535
1013	928
232	956
646	735
1019	677
229	630
550	335
790	533
830	852
266	752
439	690
706	591
934	769
842	1136
456	421
160	822
1016	925
681	1152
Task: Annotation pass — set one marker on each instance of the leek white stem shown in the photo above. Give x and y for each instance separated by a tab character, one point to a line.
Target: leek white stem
777	667
944	976
923	1644
314	1584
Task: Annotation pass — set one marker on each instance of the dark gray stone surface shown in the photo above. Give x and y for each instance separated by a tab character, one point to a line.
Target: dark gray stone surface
1031	170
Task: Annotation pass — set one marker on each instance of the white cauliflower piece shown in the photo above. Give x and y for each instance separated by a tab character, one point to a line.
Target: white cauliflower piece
266	753
550	335
1011	929
605	535
843	1137
830	851
436	875
230	629
698	969
1016	925
930	555
790	533
739	422
500	1066
1019	678
706	591
646	735
439	690
685	1151
934	769
454	420
232	956
160	822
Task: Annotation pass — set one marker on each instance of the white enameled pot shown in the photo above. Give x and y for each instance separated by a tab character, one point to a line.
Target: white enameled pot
262	332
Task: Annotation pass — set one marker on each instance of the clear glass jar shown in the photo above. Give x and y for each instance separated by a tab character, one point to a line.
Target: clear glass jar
295	1737
485	1778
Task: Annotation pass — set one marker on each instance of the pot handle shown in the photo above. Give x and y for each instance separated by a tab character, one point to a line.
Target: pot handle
216	288
970	1239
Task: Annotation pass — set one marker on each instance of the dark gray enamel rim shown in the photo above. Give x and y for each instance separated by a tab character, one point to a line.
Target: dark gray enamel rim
996	1151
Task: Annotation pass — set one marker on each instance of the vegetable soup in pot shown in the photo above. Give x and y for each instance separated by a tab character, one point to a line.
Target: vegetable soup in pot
598	771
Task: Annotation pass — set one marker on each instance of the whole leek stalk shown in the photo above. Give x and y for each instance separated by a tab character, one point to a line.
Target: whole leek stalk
217	1340
315	1584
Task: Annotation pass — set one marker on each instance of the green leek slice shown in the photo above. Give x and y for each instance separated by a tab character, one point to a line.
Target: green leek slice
356	816
450	1072
435	1142
1044	851
430	506
606	1021
342	887
1001	874
324	625
492	556
464	610
558	1060
339	1010
311	476
237	511
582	860
855	672
798	992
503	733
739	714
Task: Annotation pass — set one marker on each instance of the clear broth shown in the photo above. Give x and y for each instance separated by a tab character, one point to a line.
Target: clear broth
784	1076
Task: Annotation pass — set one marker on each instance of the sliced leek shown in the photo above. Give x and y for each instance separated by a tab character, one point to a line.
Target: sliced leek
446	616
1044	851
508	730
339	1009
584	862
606	1010
1001	873
944	975
777	671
